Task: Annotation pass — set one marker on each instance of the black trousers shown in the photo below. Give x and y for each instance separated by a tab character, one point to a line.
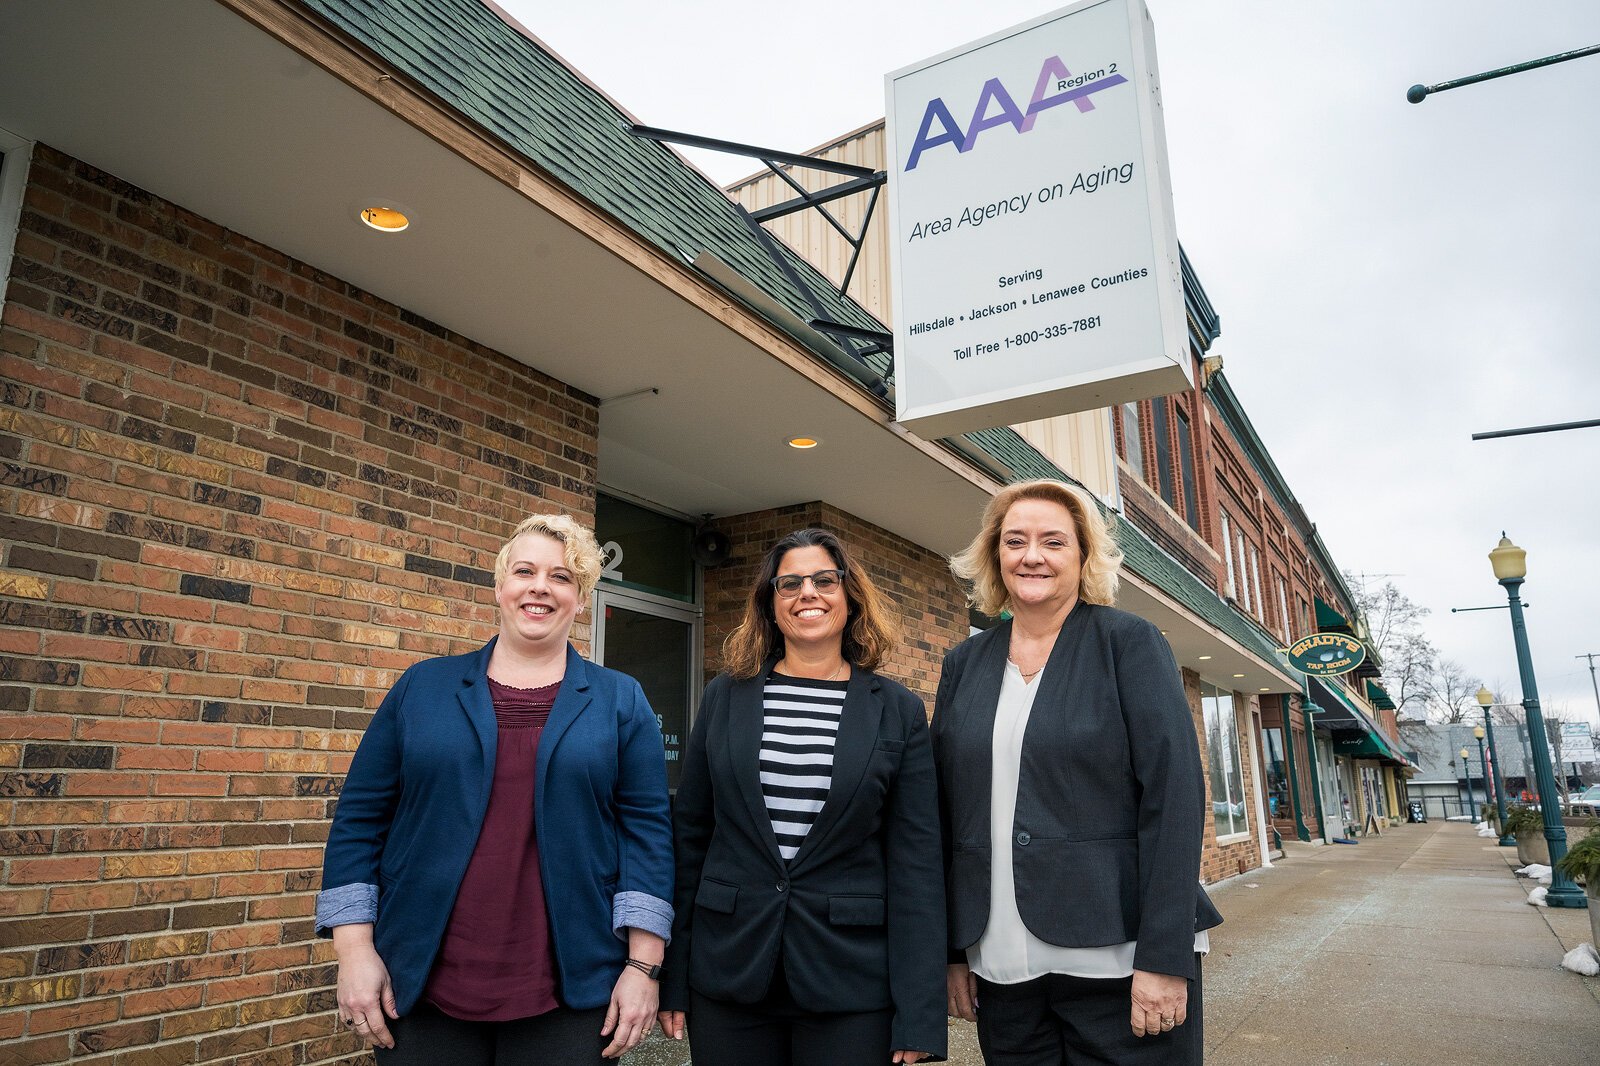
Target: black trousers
777	1032
1058	1020
429	1037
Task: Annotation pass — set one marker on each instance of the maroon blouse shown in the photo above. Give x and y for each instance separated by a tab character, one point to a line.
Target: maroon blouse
495	963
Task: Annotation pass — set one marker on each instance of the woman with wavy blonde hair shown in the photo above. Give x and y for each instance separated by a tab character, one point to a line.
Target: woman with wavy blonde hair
1071	802
978	564
806	831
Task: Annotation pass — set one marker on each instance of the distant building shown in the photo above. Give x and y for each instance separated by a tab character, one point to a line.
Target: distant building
1442	778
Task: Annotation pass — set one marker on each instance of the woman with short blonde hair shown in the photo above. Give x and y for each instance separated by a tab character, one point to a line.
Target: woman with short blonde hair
578	545
483	782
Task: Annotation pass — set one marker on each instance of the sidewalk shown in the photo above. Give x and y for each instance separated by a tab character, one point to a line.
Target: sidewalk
1415	947
1411	949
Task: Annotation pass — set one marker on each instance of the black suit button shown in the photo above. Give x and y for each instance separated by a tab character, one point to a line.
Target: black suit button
782	886
1024	837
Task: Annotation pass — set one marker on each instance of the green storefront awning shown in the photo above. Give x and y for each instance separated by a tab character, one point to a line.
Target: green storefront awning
1361	746
1377	697
1354	733
1330	619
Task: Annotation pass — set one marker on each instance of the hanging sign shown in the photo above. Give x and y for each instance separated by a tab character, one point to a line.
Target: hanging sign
1324	654
1035	263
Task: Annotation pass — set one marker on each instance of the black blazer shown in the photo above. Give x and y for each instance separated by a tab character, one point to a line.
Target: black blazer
855	913
1110	798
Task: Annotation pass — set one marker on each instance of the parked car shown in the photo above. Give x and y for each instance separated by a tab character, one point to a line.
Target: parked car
1586	802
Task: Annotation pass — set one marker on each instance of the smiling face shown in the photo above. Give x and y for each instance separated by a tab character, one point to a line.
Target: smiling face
538	597
1041	561
812	622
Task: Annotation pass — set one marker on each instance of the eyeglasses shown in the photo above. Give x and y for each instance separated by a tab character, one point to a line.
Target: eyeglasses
789	585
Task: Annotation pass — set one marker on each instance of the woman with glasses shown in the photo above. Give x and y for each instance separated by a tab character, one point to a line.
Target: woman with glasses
809	897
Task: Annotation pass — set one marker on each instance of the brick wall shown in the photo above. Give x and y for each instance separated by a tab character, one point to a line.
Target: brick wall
237	497
931	606
1158	522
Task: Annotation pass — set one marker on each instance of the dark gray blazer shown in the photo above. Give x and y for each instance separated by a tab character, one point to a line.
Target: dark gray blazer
855	914
1109	823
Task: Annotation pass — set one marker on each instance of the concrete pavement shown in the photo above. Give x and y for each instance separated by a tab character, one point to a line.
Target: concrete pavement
1416	947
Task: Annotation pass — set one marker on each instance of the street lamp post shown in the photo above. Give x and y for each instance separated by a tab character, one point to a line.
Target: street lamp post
1484	763
1486	700
1466	768
1510	569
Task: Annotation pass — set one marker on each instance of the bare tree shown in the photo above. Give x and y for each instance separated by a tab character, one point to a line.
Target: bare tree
1452	693
1389	612
1394	631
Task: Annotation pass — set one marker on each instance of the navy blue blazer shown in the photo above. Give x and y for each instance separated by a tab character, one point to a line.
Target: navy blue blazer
856	914
414	800
1110	818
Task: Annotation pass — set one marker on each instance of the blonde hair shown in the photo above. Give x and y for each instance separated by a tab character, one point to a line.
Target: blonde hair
978	564
870	634
581	550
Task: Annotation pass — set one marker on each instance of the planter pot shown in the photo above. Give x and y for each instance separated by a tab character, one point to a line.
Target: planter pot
1533	847
1592	890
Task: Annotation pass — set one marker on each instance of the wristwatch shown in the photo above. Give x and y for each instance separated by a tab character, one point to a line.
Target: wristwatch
650	970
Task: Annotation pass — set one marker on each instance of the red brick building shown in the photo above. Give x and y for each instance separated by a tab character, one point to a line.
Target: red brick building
256	457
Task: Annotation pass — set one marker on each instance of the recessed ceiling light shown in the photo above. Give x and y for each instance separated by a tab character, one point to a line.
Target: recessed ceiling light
385	218
1238	675
1203	657
803	442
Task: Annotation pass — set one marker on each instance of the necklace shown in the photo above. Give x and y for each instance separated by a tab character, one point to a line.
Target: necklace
1027	675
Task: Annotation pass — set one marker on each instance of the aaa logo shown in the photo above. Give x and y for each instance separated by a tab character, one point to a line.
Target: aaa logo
1056	85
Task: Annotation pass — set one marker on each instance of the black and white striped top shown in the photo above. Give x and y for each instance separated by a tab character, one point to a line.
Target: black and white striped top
800	722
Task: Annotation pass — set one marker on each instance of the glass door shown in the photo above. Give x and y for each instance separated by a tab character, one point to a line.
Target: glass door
656	642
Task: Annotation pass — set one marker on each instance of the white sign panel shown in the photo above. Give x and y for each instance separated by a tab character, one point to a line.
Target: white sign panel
1577	743
1034	258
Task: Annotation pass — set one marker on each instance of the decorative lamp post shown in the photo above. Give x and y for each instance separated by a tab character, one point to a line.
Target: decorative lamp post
1466	769
1510	568
1478	732
1486	700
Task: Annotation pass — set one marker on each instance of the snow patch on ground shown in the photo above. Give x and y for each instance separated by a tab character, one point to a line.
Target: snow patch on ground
1536	897
1536	871
1582	959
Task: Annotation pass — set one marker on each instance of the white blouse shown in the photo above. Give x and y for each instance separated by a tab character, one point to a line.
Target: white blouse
1008	953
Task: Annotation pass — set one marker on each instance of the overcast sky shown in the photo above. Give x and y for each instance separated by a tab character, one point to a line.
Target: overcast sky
1390	277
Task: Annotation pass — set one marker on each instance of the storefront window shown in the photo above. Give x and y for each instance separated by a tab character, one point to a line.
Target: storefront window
1227	775
1277	775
